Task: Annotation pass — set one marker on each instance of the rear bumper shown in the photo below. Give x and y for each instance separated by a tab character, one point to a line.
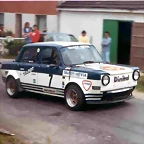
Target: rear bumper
107	98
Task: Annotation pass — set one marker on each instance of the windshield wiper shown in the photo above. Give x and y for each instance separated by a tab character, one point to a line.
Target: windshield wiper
85	62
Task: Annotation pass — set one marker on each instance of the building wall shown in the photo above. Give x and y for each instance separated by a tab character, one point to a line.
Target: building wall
92	22
10	21
28	11
30	7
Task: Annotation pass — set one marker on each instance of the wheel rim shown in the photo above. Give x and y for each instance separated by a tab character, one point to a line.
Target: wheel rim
72	97
10	88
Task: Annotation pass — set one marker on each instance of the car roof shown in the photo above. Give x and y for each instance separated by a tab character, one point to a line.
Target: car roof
57	44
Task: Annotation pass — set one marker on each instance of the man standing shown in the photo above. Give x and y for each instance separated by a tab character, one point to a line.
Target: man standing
106	44
83	37
35	34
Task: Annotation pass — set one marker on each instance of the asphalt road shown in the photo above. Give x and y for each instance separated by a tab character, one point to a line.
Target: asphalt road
45	120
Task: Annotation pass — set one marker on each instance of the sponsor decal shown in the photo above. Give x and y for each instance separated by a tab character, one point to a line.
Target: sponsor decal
86	84
63	84
79	47
52	91
48	90
112	68
38	50
75	74
121	79
28	71
34	80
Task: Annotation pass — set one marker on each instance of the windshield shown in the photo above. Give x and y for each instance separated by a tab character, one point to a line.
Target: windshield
60	37
80	54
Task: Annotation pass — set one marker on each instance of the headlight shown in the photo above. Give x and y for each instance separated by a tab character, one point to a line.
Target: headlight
136	75
105	80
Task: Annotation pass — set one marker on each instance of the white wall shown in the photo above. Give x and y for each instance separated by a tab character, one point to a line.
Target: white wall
92	22
52	23
9	21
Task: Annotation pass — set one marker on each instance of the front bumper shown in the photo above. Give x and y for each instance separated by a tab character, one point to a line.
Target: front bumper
107	98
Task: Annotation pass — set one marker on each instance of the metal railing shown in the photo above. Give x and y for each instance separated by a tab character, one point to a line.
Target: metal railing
2	38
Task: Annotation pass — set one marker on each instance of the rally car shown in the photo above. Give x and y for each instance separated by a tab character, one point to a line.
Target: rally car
71	70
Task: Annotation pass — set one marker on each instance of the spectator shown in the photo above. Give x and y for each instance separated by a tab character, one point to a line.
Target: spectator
106	44
2	32
35	34
27	30
83	37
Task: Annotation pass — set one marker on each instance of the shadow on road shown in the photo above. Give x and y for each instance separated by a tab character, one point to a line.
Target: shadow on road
61	101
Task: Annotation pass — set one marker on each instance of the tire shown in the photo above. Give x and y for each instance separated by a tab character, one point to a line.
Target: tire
12	87
74	104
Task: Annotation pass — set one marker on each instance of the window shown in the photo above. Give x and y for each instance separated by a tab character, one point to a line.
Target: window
80	54
50	56
41	21
2	18
30	55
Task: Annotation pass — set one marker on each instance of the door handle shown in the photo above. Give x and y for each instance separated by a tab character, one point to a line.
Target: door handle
33	74
21	68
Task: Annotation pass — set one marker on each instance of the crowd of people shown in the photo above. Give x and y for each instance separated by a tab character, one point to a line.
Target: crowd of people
32	35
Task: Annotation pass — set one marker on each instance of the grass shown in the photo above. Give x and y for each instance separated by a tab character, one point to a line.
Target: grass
4	139
140	86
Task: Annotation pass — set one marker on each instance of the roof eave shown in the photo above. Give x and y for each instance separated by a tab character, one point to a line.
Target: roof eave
101	10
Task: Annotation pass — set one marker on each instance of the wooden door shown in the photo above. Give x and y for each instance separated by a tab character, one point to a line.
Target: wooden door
18	25
137	45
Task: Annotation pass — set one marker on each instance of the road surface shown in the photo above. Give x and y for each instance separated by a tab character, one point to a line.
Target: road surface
45	120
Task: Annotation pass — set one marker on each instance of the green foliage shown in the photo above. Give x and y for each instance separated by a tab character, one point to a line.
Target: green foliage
9	33
140	86
14	46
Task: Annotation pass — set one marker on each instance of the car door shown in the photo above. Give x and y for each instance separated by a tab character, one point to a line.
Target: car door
50	76
28	66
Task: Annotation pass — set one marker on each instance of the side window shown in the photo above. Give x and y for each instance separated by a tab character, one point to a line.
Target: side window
50	56
30	55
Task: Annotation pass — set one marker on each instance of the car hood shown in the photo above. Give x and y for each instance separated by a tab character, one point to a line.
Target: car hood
108	68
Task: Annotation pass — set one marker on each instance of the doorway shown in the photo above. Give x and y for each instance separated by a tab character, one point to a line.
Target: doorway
41	21
2	18
18	25
120	32
124	42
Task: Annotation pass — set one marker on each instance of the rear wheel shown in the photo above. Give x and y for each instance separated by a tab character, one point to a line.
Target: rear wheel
74	97
12	87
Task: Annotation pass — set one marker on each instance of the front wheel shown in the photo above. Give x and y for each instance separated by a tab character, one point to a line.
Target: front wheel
12	87
74	97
